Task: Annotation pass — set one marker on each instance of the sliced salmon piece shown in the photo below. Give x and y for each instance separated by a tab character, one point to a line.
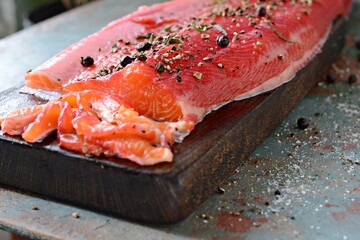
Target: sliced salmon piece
95	124
65	125
135	148
92	127
16	122
77	143
45	123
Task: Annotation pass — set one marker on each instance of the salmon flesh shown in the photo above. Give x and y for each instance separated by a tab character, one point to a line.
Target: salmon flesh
143	82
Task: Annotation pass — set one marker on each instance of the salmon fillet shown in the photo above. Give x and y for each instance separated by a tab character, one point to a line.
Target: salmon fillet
144	81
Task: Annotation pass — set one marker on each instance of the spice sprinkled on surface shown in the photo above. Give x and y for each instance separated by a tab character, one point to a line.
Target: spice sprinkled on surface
205	36
160	68
330	78
352	79
221	190
87	61
357	44
143	46
222	41
35	208
303	123
198	75
178	79
262	12
125	60
142	58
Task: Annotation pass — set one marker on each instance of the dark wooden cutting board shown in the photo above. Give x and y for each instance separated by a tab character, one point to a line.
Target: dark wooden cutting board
165	192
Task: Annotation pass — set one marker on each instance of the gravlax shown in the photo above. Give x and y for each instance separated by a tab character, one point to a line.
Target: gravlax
144	81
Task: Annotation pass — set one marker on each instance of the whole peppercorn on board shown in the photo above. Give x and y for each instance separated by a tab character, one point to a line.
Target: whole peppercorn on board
166	192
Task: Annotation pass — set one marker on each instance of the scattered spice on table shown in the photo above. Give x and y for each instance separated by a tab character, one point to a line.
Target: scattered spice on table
221	190
330	78
87	61
75	215
303	123
352	79
33	207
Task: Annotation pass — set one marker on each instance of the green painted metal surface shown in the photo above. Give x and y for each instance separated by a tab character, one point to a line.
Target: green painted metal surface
299	184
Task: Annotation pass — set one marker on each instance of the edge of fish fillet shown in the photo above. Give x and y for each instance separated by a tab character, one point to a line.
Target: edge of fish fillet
43	94
285	77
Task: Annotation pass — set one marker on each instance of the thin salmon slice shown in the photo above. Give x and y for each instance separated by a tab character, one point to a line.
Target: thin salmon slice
16	122
135	148
77	144
45	123
144	81
95	124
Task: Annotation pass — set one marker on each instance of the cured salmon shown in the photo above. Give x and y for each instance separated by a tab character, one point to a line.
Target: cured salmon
143	82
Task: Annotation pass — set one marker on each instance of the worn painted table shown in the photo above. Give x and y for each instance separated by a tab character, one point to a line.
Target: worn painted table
296	185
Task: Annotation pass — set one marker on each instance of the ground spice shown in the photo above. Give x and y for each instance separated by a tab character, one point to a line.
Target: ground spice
87	61
303	123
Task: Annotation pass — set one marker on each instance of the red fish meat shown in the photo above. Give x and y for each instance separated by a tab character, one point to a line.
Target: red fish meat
144	81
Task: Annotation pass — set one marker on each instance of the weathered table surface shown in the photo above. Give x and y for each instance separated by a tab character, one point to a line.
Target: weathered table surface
316	171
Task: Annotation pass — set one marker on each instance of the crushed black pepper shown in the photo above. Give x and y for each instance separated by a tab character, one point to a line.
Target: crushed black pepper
221	190
143	46
178	79
330	78
142	58
126	60
303	123
262	12
352	79
87	61
160	68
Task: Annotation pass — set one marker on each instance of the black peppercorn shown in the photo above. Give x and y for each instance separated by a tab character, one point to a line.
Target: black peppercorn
221	190
303	123
178	79
357	44
143	46
160	68
142	58
222	41
87	61
352	79
277	193
125	60
262	12
330	78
